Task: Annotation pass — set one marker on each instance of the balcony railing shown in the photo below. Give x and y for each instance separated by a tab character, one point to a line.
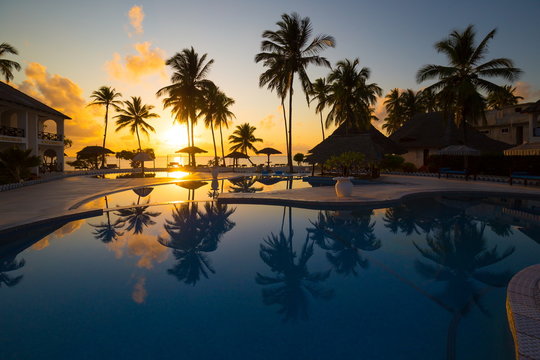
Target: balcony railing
11	131
50	136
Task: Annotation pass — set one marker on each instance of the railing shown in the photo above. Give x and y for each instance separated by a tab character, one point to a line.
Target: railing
11	131
50	136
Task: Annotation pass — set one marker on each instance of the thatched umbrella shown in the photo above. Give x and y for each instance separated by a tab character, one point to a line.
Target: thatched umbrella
93	152
192	150
191	185
235	155
459	150
142	157
269	151
144	191
525	149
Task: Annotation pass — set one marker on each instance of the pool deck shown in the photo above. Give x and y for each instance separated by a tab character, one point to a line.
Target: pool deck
60	198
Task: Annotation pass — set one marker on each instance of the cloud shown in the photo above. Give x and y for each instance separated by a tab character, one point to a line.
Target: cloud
66	96
145	247
136	17
131	68
139	291
58	234
527	91
268	122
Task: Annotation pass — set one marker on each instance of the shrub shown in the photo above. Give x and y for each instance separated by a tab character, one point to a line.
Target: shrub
391	162
408	167
298	158
347	162
15	164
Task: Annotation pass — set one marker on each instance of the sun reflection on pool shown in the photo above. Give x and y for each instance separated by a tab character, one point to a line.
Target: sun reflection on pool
177	174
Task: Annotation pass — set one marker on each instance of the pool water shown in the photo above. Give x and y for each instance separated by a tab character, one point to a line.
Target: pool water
424	279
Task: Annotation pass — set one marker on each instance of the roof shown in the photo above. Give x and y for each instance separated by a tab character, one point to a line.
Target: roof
432	130
14	96
531	149
371	142
532	108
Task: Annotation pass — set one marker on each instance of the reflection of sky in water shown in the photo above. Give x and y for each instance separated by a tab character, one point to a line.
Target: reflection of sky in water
193	190
200	282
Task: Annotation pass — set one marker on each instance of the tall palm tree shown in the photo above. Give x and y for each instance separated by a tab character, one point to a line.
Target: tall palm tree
243	138
462	83
7	66
351	98
289	51
134	115
505	97
223	115
105	96
319	92
185	92
393	120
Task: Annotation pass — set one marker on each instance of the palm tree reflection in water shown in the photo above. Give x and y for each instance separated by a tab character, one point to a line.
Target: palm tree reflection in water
8	265
244	184
194	233
344	235
138	217
108	232
292	281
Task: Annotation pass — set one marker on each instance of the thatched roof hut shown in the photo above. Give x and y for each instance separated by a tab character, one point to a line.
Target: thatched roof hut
371	142
434	131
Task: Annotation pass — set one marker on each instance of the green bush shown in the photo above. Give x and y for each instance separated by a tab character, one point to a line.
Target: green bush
15	164
408	167
391	162
346	163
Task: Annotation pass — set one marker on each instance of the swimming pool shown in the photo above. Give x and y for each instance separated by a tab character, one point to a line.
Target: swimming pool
423	279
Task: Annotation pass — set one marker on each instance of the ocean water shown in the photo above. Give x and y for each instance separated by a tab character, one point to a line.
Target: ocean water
423	279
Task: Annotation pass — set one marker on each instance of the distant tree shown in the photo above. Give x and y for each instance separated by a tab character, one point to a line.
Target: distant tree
505	97
134	115
347	162
7	66
130	154
319	92
299	157
105	96
243	138
460	84
68	143
401	107
288	51
17	163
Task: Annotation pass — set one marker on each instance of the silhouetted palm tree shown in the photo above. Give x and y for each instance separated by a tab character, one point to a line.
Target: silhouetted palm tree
292	281
7	66
394	117
243	138
289	51
319	92
108	232
344	239
351	99
7	265
505	97
134	115
185	92
105	96
18	162
460	84
137	217
244	184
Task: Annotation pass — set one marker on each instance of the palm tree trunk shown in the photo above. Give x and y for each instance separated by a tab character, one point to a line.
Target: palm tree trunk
322	126
188	141
138	138
285	121
105	133
289	153
192	144
222	149
214	140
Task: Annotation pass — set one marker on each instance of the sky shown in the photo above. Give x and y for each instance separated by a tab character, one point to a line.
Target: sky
69	48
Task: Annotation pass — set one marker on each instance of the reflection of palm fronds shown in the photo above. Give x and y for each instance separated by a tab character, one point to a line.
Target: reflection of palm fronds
7	266
107	232
344	240
244	184
136	218
292	280
192	233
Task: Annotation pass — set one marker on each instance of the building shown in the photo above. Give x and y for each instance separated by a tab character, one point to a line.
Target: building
509	125
532	146
29	124
426	134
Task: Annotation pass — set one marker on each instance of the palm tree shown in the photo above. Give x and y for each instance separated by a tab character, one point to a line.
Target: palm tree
351	99
244	184
18	163
505	97
134	115
393	120
319	91
461	83
288	51
7	66
215	110
243	138
108	232
185	92
137	217
105	96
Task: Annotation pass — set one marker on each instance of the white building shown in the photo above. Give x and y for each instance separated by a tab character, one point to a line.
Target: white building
29	124
509	125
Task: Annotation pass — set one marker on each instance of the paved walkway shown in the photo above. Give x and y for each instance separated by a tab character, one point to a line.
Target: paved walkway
54	199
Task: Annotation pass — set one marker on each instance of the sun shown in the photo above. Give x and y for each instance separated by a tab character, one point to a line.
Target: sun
175	137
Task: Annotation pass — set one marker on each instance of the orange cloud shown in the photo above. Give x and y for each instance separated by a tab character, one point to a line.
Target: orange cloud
136	17
526	90
66	96
146	247
268	122
58	234
147	61
139	293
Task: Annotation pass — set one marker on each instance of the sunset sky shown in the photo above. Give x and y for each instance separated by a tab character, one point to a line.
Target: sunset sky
70	48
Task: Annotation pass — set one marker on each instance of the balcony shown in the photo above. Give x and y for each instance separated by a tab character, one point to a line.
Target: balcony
11	131
50	136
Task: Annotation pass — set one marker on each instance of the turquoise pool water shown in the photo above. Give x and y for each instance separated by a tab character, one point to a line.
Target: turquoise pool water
424	279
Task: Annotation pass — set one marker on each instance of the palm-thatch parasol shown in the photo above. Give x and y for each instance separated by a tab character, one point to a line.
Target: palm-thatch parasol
459	150
192	150
526	149
144	191
237	155
269	151
191	184
93	152
142	157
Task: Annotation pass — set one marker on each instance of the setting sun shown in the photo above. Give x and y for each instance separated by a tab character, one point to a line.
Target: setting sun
175	136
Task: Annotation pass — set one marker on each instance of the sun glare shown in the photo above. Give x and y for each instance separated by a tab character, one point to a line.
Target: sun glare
176	137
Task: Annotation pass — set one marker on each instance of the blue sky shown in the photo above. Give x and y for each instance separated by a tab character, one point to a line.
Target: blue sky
75	40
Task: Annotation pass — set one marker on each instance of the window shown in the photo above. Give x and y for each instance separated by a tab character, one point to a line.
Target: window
504	131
